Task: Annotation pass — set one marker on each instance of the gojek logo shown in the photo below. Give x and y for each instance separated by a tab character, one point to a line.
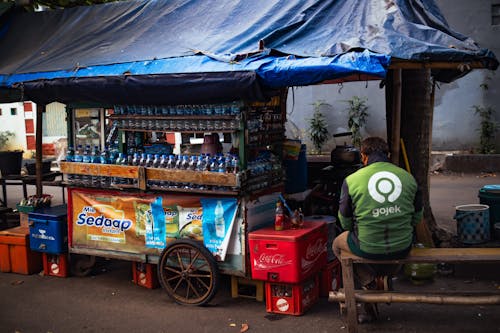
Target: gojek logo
385	186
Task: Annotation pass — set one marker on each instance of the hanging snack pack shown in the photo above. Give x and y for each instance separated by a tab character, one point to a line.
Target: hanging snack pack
172	221
190	222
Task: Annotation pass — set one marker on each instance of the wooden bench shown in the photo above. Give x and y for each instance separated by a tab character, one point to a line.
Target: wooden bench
350	295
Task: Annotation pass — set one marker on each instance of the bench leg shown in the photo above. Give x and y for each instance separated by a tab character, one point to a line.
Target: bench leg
350	301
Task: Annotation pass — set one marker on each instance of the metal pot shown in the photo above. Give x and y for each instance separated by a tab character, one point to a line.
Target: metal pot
345	154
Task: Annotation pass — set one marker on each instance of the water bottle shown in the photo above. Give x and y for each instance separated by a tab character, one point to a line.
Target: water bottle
171	162
70	157
149	161
95	180
136	159
156	161
220	225
200	163
221	164
105	180
192	163
142	161
235	161
78	158
117	161
87	158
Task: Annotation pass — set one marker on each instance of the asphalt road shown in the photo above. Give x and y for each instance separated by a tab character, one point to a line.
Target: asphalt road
108	300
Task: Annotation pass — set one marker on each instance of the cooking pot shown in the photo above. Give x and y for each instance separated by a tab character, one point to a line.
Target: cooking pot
345	154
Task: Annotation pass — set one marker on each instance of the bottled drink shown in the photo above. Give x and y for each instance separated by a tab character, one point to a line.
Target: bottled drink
117	161
78	158
235	162
171	162
149	161
136	159
70	157
95	158
163	161
200	164
185	162
87	158
220	225
279	218
142	160
192	163
105	180
156	161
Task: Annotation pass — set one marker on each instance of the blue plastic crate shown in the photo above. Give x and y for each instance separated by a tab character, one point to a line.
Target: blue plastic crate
49	230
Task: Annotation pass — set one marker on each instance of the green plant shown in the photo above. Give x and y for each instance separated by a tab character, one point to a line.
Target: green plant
318	128
487	129
4	138
357	112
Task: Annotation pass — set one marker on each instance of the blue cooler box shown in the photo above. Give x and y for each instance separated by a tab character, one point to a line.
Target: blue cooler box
49	230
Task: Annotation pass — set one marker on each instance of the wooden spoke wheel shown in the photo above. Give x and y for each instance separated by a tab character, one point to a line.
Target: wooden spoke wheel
188	272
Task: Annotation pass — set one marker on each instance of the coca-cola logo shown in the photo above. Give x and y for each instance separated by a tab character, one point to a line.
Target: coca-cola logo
268	261
315	249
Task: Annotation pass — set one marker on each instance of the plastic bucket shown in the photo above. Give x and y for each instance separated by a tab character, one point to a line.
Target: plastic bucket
473	223
490	195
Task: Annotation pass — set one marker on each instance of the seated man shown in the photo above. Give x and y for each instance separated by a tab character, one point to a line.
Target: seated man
379	207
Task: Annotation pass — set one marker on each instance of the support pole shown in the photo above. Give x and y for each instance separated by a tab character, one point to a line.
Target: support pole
396	115
38	146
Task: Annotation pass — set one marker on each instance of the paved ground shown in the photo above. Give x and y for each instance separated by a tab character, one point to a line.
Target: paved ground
108	301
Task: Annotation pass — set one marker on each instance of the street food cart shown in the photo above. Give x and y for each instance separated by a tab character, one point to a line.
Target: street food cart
191	219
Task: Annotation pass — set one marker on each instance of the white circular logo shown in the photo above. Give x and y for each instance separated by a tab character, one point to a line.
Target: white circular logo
384	185
282	304
54	268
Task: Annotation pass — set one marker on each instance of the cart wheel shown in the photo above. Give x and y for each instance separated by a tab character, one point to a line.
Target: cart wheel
188	272
81	265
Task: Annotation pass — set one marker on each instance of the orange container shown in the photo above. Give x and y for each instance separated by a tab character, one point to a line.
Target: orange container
144	275
292	298
15	253
55	264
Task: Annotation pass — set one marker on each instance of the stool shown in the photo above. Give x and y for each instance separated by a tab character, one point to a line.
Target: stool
236	281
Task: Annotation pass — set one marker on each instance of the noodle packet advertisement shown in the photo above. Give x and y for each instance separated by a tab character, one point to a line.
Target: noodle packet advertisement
218	219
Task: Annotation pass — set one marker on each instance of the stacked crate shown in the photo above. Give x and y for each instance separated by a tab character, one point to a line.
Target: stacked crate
289	261
48	228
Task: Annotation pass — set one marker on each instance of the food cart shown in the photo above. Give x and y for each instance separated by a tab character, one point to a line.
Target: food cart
192	221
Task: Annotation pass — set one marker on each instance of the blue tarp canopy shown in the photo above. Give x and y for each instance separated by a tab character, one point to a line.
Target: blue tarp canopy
175	51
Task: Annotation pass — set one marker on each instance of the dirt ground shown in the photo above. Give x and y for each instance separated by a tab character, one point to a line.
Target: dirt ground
108	300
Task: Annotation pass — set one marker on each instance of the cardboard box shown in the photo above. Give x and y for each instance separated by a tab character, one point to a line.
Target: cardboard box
55	264
15	253
145	275
292	298
290	255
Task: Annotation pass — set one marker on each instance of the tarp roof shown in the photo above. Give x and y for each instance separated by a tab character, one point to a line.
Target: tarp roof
163	50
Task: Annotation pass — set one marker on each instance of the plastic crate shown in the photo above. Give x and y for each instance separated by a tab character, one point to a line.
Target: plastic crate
330	278
292	298
290	255
15	253
55	264
145	275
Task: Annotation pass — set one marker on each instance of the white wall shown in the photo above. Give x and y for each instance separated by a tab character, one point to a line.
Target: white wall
14	124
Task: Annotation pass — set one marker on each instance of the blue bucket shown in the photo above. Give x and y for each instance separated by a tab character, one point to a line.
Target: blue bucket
473	223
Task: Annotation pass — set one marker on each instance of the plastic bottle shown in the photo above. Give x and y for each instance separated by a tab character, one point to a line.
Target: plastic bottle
86	158
192	163
95	158
220	225
156	161
142	161
78	158
279	218
105	181
117	161
70	157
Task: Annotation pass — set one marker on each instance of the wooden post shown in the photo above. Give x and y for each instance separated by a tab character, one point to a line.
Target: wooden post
350	301
396	116
40	108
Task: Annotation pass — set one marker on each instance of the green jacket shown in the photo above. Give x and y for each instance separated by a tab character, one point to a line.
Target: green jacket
380	204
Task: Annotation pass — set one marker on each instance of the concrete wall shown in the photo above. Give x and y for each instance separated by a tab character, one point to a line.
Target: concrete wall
455	126
14	123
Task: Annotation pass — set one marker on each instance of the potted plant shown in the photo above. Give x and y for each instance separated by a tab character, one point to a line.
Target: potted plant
10	160
357	112
318	128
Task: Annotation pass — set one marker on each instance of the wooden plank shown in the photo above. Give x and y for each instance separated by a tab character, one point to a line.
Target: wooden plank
429	298
195	177
109	170
437	255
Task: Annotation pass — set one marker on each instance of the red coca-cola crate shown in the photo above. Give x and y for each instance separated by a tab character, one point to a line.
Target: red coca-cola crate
330	278
145	275
55	264
292	298
290	255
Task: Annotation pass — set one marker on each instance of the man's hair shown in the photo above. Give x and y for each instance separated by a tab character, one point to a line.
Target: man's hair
374	144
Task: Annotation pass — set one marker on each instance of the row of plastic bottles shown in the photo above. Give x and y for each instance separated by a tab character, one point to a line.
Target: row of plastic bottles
233	108
178	124
221	163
